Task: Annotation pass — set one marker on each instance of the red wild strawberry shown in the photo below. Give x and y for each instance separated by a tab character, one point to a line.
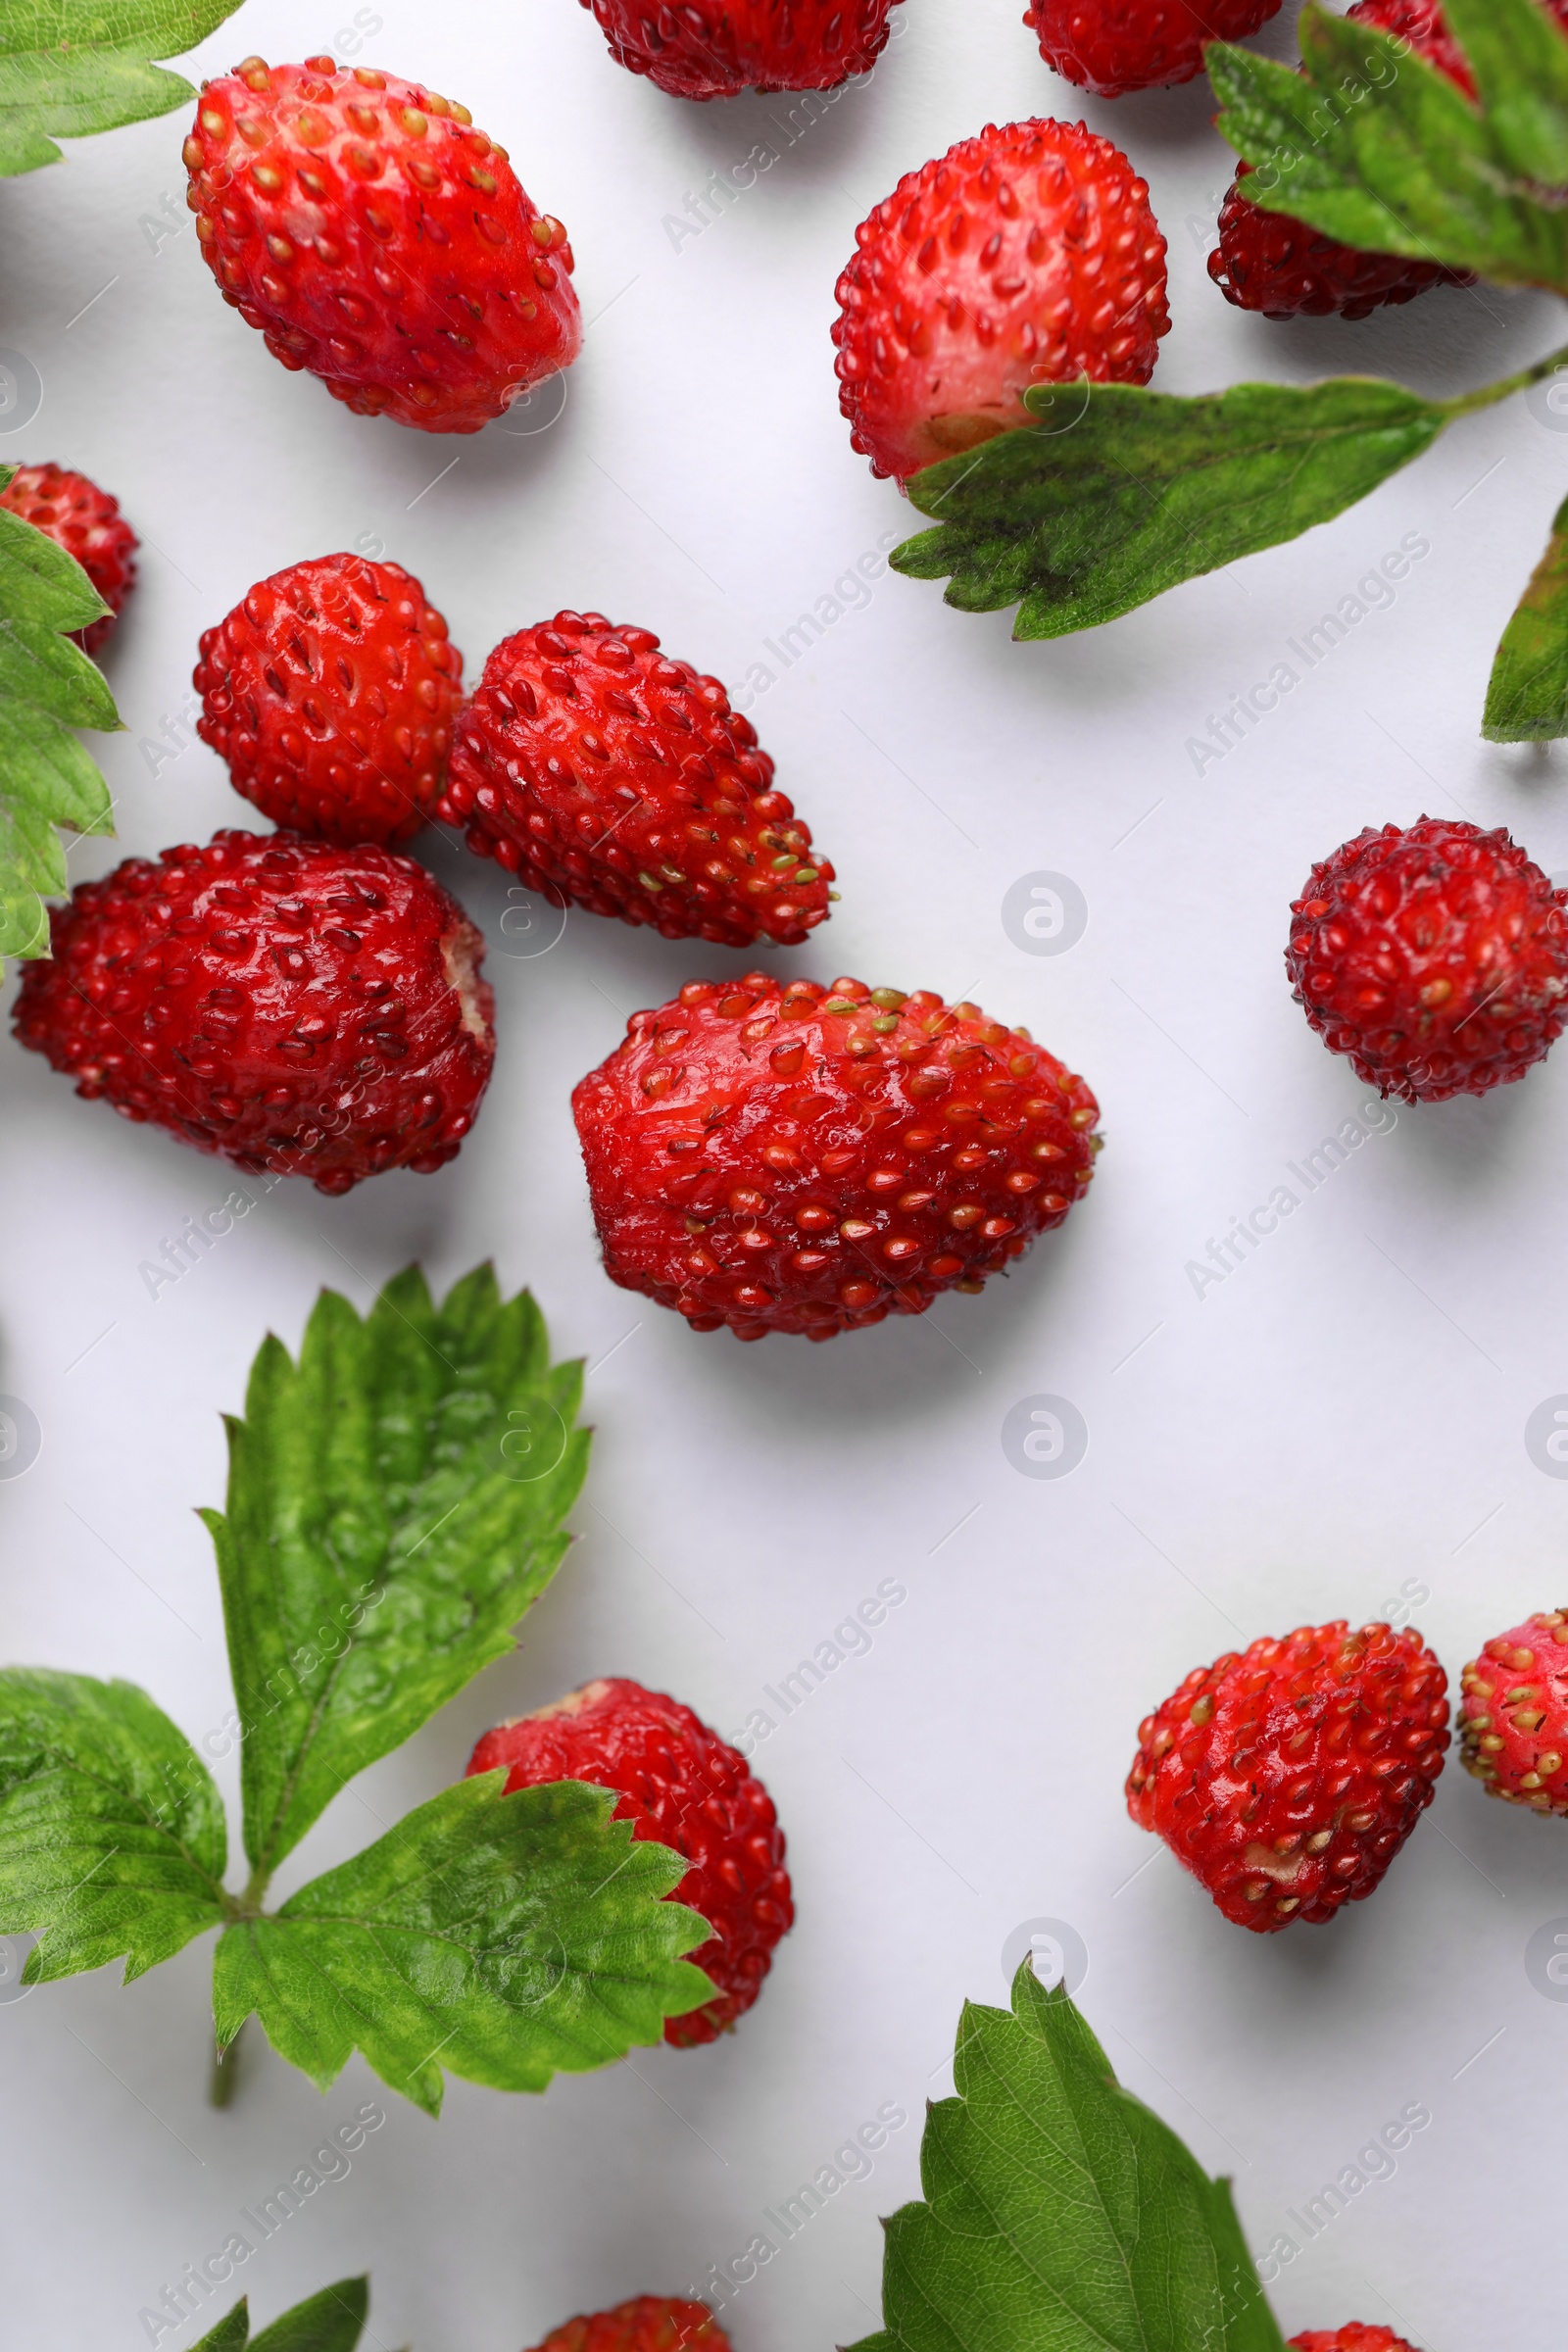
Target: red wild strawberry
1113	46
648	2323
87	523
380	242
1435	957
597	770
683	1787
807	1160
1287	1778
1027	256
285	1002
1270	263
1354	2336
1513	1716
330	692
715	48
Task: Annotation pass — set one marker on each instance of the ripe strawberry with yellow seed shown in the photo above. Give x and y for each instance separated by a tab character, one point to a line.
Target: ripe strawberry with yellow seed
1513	1714
811	1160
1356	2335
647	2324
379	240
1286	1778
87	523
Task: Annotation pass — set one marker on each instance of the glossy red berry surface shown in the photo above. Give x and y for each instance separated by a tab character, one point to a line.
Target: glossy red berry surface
1513	1714
330	691
1353	2336
1287	1778
378	239
1434	956
1113	46
807	1160
602	772
1027	256
647	2324
716	48
87	523
682	1786
285	1002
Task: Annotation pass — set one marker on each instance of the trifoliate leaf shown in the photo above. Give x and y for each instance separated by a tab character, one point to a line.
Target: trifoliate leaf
1527	699
1373	145
112	1834
1079	524
1061	2214
504	1938
70	66
47	687
330	2322
395	1502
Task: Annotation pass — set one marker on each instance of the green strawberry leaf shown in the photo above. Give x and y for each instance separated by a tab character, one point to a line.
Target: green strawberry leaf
86	66
112	1840
232	2332
504	1938
1373	145
1527	699
1061	2214
395	1502
1079	524
47	687
331	2322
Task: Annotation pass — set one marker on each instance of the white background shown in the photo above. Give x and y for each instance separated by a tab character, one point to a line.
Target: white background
1344	1412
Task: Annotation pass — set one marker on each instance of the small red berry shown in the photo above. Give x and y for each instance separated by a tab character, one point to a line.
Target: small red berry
285	1002
1513	1715
330	691
716	48
1435	955
1113	46
648	2323
380	242
799	1158
1027	256
1288	1777
597	770
1354	2336
87	523
681	1787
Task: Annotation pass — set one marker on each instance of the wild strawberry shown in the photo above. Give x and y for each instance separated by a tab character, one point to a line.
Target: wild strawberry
330	691
1113	46
1270	263
715	48
806	1159
648	2323
1027	256
597	770
683	1787
87	523
1435	957
1288	1777
380	242
1354	2336
288	1004
1513	1715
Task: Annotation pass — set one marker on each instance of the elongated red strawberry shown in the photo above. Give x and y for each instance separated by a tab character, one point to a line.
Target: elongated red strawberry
1287	1778
288	1004
330	691
682	1786
1514	1717
380	242
600	771
716	48
808	1159
647	2324
1027	256
87	523
1113	46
